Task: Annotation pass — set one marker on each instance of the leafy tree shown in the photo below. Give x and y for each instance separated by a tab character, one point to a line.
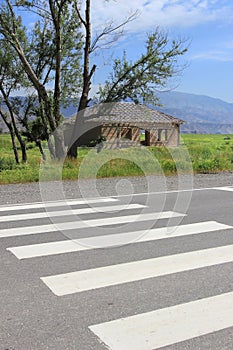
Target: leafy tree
139	80
50	56
136	80
11	78
51	59
104	39
30	117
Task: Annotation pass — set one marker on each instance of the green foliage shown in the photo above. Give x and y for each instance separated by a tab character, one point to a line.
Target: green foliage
169	166
7	164
138	80
119	167
208	154
35	130
50	51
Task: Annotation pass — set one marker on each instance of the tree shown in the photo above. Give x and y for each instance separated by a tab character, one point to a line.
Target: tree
139	80
104	39
11	77
52	56
30	117
135	80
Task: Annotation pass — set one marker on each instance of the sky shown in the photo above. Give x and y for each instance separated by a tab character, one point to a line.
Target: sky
207	25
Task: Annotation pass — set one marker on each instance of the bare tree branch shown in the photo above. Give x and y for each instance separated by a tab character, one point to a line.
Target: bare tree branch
110	30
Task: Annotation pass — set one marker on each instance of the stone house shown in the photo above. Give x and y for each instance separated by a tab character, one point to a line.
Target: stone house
122	124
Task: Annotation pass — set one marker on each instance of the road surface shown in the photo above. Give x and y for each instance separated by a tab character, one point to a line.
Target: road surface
129	272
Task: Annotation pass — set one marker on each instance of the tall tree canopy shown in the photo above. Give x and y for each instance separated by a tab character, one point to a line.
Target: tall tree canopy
12	77
56	57
139	79
49	54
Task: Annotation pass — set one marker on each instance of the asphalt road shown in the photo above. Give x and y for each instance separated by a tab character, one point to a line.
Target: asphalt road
110	274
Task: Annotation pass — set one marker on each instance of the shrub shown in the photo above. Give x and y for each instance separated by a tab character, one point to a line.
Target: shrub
7	164
169	166
207	165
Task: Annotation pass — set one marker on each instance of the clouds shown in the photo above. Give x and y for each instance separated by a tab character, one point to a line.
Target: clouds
218	55
166	13
219	51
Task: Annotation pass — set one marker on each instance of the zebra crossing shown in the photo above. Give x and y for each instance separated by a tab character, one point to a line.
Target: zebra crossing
167	326
75	245
142	331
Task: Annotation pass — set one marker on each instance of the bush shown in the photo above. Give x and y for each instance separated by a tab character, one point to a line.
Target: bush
7	164
207	165
169	166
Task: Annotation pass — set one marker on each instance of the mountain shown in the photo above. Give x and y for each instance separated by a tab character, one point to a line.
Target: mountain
202	114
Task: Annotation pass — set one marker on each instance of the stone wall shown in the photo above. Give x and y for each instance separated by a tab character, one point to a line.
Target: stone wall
163	134
173	137
112	132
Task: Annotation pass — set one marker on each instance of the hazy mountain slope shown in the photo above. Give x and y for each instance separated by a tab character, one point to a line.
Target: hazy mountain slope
201	113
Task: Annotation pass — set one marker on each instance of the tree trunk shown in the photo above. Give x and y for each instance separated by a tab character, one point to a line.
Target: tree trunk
14	146
59	142
39	145
11	130
20	139
60	150
73	150
23	150
51	148
46	128
13	125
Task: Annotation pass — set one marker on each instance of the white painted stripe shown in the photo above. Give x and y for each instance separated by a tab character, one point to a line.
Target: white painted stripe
80	281
168	191
68	246
80	211
59	203
224	188
31	230
167	326
8	207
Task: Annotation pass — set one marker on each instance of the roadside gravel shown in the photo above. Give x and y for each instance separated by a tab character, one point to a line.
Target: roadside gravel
36	192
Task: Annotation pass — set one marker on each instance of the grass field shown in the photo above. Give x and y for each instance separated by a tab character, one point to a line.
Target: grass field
197	153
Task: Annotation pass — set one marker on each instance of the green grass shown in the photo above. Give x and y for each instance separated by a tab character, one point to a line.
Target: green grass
208	154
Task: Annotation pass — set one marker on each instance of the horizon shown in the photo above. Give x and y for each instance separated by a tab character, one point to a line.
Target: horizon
16	94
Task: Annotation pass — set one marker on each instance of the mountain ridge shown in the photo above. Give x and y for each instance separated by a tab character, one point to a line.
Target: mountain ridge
201	113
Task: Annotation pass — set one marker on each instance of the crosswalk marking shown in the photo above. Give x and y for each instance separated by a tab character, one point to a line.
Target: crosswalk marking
80	211
230	189
59	203
68	246
148	331
79	281
31	230
163	327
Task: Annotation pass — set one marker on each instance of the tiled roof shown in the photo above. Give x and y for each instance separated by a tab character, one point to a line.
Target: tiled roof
127	113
